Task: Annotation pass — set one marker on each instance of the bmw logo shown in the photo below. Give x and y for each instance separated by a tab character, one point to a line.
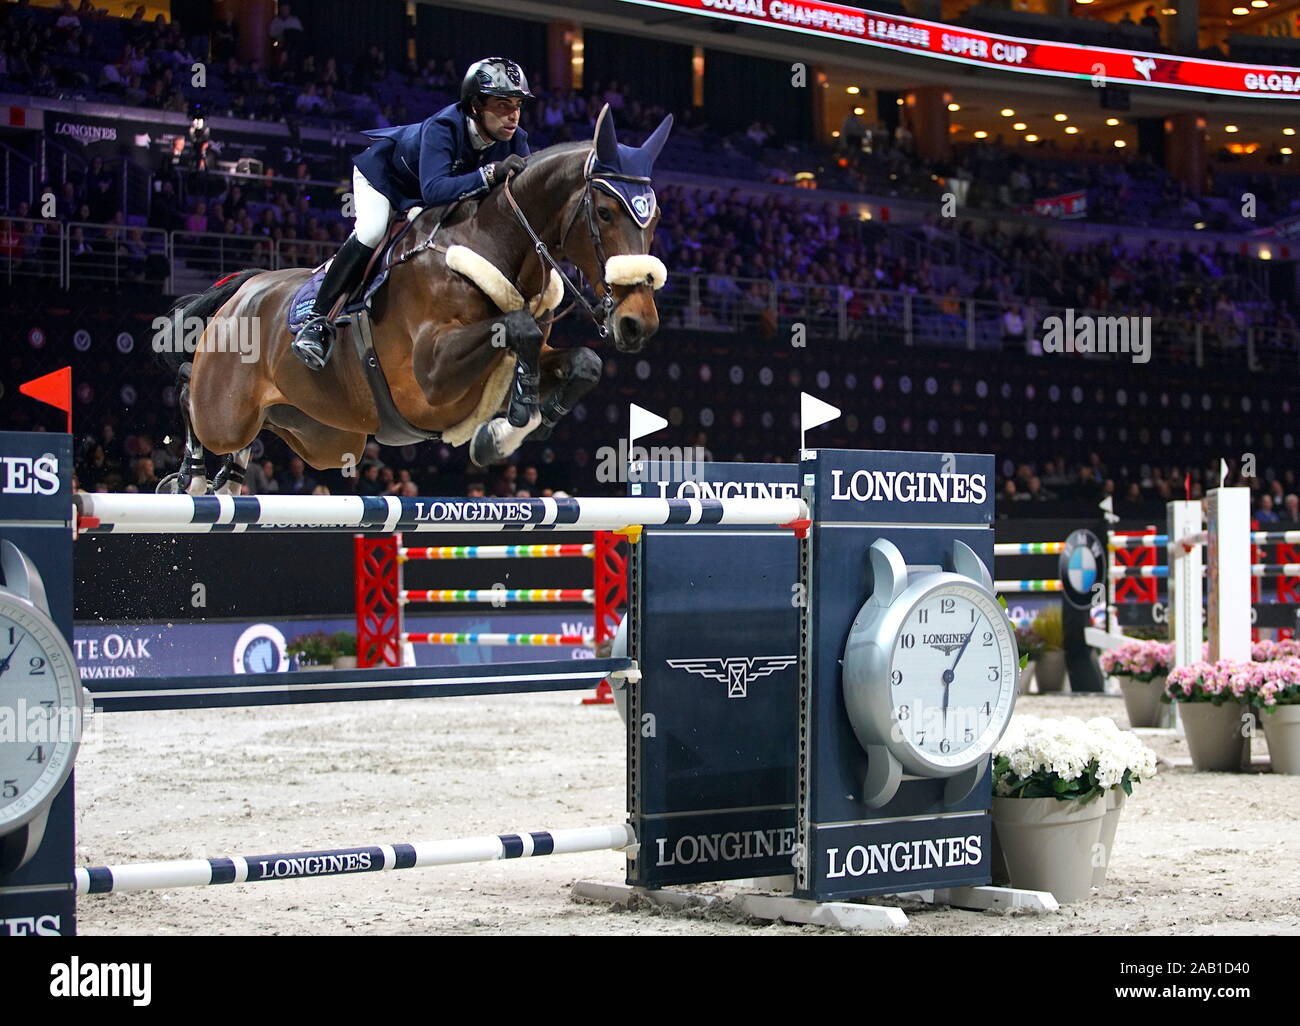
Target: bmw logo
1081	567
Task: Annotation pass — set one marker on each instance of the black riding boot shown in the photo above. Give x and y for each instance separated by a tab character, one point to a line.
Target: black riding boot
312	343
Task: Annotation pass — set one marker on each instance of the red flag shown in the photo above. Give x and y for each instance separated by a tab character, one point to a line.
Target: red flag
54	388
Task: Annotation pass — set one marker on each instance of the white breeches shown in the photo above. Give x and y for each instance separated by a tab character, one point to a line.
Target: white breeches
373	210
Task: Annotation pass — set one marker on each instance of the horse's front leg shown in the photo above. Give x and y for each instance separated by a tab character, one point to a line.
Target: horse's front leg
567	375
459	358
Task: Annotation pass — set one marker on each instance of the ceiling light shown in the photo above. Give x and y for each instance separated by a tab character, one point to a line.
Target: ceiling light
981	134
1288	131
1120	144
1112	122
1019	126
1241	11
859	111
954	107
1230	128
899	101
1286	151
853	90
1258	3
1071	130
1007	112
1031	137
1060	117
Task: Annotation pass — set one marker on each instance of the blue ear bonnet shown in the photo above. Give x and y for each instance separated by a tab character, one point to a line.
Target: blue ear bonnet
624	171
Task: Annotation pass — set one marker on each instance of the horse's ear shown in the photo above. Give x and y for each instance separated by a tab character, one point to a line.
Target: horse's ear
606	141
652	146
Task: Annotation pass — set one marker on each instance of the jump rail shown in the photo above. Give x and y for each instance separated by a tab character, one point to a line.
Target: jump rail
379	858
209	514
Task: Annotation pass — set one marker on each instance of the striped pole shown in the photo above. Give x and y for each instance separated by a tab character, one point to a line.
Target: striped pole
1028	548
497	639
497	595
496	552
105	513
1137	541
1045	584
1275	537
380	858
1256	570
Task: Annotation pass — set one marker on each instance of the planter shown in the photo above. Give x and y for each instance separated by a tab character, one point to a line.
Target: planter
1282	729
1142	700
345	662
1214	737
1048	844
1026	678
1115	798
1049	671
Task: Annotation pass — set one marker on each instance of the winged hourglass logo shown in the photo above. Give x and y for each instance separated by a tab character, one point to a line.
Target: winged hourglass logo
736	672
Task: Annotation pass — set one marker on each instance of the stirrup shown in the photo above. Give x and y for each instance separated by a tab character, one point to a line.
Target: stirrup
314	352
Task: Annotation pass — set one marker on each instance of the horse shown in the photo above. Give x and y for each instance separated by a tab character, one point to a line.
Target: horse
463	352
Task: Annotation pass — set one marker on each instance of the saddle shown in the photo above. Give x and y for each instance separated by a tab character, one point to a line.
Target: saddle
354	310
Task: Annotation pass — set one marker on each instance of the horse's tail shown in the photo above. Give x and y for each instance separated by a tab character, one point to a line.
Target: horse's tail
171	350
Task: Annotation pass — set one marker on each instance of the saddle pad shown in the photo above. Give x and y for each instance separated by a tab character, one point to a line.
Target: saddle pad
303	300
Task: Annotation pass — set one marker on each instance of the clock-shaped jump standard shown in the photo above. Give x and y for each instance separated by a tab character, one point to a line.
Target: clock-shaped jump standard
44	705
930	672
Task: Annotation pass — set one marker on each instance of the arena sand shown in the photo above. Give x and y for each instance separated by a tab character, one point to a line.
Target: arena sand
1197	853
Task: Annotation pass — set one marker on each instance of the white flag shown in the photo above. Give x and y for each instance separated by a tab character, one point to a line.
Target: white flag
642	422
813	412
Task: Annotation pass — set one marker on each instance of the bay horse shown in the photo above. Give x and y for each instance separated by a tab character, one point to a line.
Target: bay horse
459	329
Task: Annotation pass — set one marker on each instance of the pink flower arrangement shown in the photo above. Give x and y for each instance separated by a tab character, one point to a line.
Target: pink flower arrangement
1269	651
1141	660
1276	683
1224	681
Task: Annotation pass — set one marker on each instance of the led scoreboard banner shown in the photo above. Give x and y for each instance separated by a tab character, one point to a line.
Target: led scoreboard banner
1004	53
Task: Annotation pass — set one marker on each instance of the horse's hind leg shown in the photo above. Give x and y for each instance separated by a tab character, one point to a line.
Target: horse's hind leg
230	478
193	475
321	447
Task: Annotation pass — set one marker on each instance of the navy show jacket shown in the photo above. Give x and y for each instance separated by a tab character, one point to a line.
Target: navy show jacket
433	162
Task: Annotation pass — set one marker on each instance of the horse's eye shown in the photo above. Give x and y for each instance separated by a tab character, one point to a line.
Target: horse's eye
604	214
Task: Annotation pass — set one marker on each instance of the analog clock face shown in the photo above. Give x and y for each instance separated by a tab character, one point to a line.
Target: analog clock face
40	712
261	656
952	675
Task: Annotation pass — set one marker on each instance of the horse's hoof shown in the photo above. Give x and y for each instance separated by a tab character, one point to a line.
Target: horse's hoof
169	485
485	446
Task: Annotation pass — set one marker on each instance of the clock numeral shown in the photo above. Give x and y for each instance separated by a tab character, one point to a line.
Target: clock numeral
37	666
904	713
907	641
923	616
920	737
994	674
974	614
945	746
986	710
38	754
947	605
896	678
13	638
9	789
970	735
988	638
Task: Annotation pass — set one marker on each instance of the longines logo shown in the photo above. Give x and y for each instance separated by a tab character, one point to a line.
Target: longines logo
22	475
908	486
736	672
945	643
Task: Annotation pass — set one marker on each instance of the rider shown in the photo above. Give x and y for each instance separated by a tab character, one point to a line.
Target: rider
459	153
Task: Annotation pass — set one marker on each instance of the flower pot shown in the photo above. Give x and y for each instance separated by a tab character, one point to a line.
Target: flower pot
1142	700
1049	671
345	662
1115	798
1214	737
1282	729
1026	678
1048	844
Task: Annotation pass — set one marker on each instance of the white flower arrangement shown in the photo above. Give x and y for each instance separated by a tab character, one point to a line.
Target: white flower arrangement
1068	759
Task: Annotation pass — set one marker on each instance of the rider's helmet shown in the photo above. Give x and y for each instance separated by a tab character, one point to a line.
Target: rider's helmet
492	76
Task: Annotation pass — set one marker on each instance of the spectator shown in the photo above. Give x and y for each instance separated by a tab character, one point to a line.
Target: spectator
286	30
296	480
1266	514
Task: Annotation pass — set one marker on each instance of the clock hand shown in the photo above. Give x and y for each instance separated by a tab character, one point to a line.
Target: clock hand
5	665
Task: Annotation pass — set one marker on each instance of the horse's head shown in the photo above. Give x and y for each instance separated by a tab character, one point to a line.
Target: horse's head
612	248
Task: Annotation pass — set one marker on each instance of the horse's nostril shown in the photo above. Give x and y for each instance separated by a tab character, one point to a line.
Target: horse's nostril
629	328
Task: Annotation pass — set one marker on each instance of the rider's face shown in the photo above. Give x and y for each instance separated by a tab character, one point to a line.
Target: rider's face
501	117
